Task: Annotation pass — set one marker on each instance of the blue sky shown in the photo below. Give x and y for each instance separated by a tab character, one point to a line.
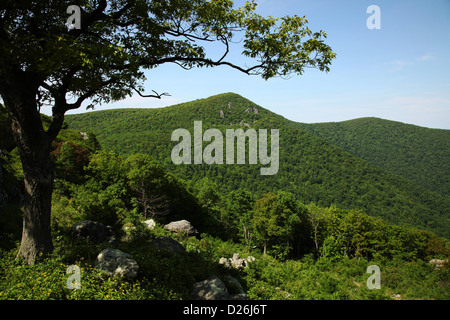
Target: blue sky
400	72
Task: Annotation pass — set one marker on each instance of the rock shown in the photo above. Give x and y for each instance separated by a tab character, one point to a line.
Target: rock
215	289
182	226
94	231
254	110
250	259
233	285
242	123
225	261
236	262
167	244
438	263
116	262
210	289
150	224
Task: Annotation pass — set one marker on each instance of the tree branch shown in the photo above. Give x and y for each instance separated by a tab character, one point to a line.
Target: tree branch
156	95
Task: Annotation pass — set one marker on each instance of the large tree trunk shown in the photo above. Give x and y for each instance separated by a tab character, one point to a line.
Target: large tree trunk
36	232
34	148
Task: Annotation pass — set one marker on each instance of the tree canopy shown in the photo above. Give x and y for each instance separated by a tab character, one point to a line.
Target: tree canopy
46	61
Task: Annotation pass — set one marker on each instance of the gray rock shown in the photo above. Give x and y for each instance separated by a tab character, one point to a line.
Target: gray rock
236	262
210	289
115	262
94	231
167	244
233	285
438	263
225	261
182	226
215	289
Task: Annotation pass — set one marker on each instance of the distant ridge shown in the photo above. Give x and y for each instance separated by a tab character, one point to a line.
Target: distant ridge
417	153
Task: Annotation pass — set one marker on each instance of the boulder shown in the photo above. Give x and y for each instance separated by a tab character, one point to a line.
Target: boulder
182	226
94	231
233	285
115	262
225	261
215	289
167	244
236	262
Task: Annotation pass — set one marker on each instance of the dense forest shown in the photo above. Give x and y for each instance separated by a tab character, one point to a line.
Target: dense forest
313	228
313	169
416	153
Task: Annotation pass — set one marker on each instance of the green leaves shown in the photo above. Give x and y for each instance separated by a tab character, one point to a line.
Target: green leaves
104	59
280	46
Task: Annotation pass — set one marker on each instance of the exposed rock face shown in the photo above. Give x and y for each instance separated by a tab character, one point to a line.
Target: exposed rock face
236	262
116	262
215	289
182	226
167	244
254	110
438	263
94	231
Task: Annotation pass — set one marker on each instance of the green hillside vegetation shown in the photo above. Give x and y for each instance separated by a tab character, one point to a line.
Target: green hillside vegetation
312	252
416	153
311	168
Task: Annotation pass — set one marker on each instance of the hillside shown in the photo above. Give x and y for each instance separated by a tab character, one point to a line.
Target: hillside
416	153
310	167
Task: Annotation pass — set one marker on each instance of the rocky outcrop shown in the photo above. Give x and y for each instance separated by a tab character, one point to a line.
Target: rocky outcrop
438	263
182	226
115	262
242	123
93	231
215	289
167	244
236	262
253	110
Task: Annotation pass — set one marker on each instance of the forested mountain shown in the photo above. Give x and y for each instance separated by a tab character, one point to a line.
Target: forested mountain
416	153
313	169
306	228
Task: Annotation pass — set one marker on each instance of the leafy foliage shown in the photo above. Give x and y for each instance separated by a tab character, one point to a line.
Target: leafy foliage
312	251
310	168
416	153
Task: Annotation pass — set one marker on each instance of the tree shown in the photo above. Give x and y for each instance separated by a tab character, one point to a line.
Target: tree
43	62
273	221
146	178
240	209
